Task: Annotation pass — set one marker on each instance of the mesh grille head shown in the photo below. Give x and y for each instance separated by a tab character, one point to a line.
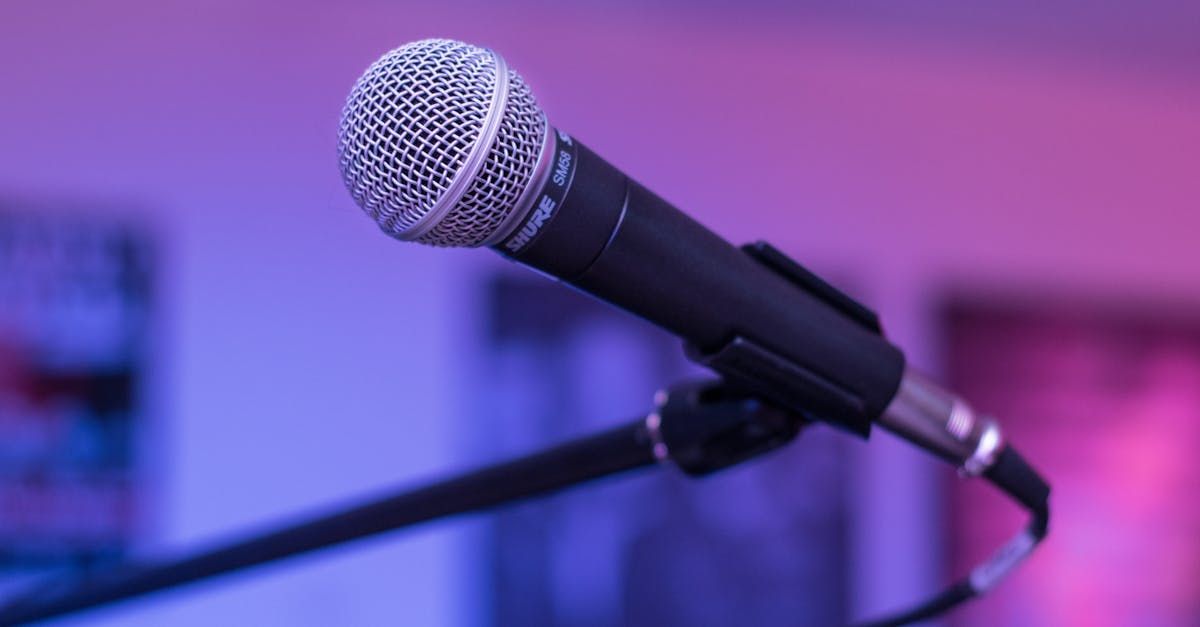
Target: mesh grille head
437	142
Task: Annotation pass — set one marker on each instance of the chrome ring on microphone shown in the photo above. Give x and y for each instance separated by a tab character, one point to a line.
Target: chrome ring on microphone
942	423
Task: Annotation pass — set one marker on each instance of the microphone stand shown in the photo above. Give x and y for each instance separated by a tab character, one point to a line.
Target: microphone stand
698	427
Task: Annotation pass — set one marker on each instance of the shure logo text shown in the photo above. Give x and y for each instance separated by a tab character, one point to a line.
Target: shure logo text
531	228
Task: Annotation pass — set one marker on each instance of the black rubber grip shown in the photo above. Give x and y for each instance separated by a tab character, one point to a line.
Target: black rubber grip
1012	474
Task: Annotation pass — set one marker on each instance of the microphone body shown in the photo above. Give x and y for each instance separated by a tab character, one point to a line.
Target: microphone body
751	314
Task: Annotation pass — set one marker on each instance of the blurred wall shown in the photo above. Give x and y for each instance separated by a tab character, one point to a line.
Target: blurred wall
309	358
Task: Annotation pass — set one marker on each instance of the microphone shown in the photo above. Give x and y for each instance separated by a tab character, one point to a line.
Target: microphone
441	143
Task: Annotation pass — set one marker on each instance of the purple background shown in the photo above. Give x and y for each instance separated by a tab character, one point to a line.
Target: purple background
306	358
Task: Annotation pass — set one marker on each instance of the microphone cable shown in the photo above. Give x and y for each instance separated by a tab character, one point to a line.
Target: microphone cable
1017	479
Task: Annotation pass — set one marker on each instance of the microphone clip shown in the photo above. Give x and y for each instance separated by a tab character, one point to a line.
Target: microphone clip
704	426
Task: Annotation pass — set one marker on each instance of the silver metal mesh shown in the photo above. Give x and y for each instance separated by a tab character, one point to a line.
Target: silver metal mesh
417	120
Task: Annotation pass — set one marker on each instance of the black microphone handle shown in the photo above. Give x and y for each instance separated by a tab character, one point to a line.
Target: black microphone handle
751	314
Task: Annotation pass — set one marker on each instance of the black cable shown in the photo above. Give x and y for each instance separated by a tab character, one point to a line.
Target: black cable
1013	475
1016	478
948	598
617	450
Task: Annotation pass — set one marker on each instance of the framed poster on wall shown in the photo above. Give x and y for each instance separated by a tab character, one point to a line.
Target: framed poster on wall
760	544
75	305
1106	399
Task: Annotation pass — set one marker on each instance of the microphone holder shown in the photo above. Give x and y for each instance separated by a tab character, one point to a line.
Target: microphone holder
699	427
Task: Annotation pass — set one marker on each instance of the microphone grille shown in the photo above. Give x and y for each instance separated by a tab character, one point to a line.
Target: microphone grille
437	142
